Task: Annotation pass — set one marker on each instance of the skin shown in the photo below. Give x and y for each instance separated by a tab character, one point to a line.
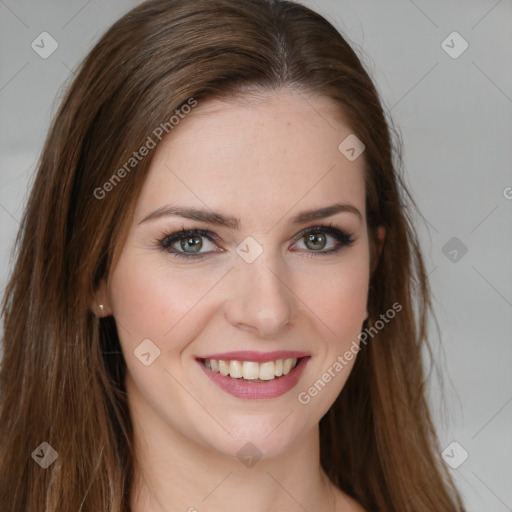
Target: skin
261	158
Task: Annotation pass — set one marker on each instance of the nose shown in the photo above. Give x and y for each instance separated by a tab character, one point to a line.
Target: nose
260	299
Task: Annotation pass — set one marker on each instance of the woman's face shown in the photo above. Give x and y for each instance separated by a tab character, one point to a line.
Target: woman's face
257	284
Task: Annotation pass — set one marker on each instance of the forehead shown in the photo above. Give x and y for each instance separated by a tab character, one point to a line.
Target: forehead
257	154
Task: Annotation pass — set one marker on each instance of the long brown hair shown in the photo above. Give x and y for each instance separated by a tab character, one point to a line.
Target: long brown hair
62	375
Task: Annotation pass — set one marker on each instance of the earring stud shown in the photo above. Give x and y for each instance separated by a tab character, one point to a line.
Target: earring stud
101	307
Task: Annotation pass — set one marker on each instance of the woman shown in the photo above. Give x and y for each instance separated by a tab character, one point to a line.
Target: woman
218	301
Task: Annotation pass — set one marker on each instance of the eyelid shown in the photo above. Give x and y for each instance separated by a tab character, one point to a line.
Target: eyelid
327	228
181	233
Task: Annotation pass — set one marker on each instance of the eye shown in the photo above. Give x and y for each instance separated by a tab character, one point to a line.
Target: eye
188	243
316	240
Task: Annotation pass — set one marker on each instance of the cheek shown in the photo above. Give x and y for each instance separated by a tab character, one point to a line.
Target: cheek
148	302
338	297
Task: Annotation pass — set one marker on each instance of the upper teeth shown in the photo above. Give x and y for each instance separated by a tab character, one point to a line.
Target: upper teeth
250	370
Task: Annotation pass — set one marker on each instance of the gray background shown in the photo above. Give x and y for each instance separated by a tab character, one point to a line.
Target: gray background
455	117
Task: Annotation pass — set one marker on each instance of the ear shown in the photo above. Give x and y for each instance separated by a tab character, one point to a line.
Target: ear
381	236
376	246
375	251
100	304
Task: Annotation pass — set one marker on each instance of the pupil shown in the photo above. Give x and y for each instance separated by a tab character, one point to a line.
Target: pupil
194	242
317	240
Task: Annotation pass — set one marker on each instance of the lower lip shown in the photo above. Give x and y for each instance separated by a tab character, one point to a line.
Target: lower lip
248	390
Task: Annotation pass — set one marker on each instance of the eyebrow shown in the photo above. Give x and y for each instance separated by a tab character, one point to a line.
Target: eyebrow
219	219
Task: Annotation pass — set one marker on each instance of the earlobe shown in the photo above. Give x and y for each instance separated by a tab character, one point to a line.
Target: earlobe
100	304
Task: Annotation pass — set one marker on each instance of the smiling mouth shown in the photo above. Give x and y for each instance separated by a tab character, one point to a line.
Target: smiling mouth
251	371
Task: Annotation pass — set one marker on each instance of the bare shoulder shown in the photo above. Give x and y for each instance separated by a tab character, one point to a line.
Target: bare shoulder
345	503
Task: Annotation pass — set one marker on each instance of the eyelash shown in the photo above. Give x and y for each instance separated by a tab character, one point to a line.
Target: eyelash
165	244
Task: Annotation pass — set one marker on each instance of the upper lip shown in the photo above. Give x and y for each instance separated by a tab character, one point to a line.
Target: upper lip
257	357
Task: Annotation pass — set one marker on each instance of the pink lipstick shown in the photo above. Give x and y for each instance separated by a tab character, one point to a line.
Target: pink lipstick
255	375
